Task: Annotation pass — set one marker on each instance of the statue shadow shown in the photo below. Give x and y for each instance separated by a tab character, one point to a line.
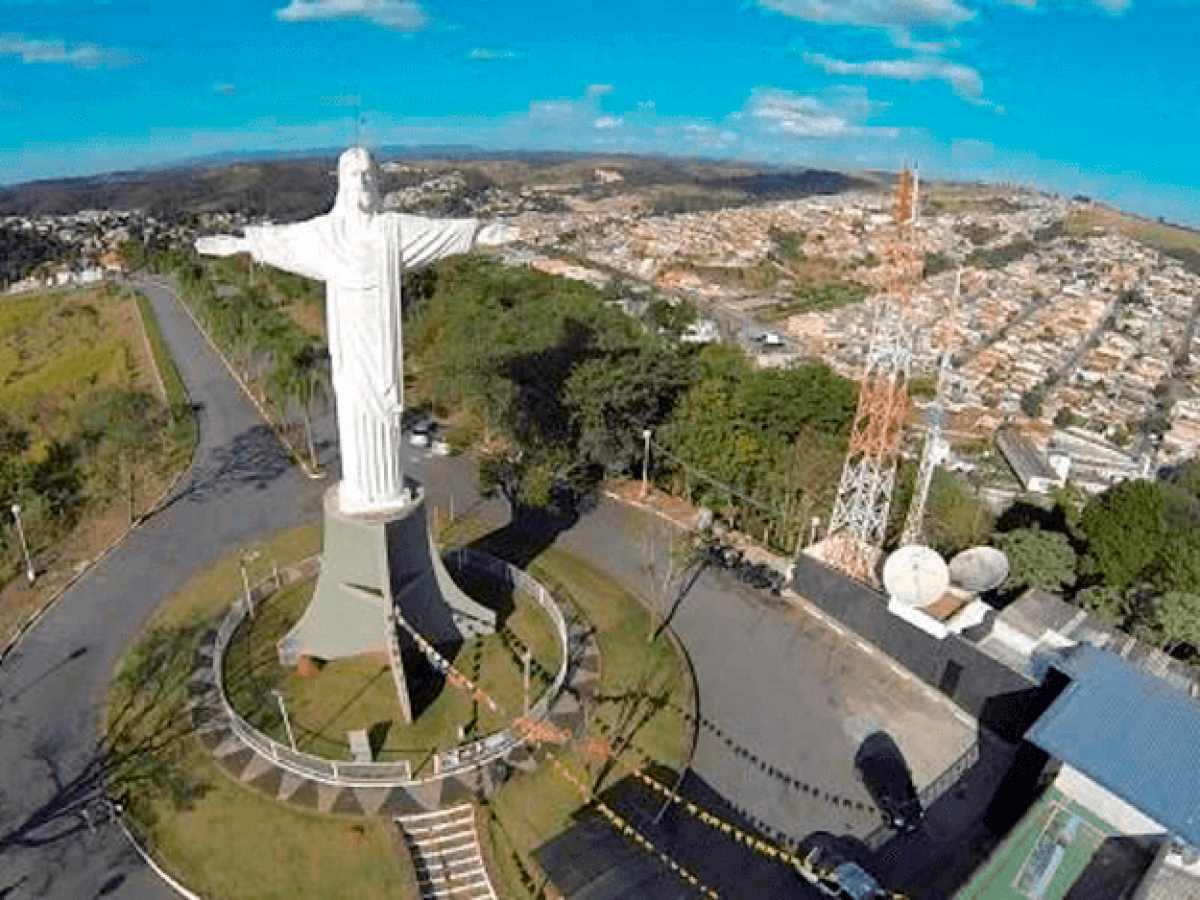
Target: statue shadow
425	683
530	532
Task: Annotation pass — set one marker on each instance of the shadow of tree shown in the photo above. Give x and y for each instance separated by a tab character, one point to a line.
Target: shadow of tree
252	459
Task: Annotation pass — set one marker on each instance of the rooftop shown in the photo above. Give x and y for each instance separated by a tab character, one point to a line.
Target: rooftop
1131	733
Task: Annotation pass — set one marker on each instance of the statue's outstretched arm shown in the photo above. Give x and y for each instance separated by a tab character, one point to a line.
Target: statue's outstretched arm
297	248
428	240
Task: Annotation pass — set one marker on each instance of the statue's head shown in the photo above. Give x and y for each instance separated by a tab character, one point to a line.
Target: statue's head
357	189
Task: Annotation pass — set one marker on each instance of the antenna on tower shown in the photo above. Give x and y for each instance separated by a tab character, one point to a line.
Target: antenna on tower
936	449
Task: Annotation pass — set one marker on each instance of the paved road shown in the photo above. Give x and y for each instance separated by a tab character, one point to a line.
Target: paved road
241	487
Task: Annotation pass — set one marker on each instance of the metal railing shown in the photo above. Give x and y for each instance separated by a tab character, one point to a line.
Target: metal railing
397	773
477	753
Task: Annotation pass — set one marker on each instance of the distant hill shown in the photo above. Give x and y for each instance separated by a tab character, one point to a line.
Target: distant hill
291	187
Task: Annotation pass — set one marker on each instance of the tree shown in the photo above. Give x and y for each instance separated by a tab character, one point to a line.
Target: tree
1177	567
1031	403
612	398
1169	620
669	557
1125	531
1036	558
301	375
1187	478
119	429
1108	603
955	518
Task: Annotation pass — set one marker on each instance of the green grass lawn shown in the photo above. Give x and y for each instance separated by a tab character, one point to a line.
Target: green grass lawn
235	844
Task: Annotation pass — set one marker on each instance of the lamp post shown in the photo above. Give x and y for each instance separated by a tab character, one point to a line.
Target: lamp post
243	561
287	723
645	462
29	573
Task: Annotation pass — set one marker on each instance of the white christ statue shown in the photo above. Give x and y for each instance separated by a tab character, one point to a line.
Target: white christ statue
360	252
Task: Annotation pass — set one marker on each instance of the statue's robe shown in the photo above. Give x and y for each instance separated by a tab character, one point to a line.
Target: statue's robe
362	268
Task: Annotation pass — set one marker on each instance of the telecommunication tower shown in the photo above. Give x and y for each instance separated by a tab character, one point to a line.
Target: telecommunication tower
936	449
860	510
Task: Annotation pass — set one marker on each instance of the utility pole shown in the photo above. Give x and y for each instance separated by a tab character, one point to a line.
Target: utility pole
29	573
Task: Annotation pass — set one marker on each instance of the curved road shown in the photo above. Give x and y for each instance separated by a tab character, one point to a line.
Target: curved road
52	684
762	676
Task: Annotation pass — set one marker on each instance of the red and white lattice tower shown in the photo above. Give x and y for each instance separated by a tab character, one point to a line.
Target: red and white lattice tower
860	511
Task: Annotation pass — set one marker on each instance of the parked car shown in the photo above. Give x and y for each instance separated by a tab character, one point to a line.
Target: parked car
422	433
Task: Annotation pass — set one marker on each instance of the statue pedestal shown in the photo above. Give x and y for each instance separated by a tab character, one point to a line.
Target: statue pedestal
372	563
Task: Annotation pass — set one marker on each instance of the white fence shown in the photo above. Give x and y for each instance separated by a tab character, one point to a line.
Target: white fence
399	773
477	753
349	774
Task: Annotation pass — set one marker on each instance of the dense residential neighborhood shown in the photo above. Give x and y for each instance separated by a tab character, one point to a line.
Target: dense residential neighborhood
1082	334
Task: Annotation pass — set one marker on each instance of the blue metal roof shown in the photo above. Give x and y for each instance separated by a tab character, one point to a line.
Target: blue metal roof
1131	733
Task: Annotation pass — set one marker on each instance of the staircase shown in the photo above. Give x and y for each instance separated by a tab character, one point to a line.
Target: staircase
445	851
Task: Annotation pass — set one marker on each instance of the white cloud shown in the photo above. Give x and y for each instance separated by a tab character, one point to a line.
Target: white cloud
224	89
487	54
1116	7
402	15
808	116
905	41
598	90
901	14
963	79
607	122
56	52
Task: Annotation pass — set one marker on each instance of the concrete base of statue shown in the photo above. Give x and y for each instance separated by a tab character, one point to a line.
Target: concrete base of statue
370	563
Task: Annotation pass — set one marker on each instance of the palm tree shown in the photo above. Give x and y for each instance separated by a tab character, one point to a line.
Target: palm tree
301	375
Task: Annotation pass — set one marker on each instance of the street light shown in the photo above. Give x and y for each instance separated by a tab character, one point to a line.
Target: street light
645	462
287	723
243	560
29	573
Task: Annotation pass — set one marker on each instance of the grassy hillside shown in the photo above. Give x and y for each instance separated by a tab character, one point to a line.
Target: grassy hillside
1181	243
86	437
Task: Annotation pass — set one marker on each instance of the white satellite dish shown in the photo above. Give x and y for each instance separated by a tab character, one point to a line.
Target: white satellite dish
915	575
979	569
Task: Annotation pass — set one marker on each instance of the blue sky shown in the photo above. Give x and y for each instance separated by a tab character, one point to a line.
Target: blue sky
1098	97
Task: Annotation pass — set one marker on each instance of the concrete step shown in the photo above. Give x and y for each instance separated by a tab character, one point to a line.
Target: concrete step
445	851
